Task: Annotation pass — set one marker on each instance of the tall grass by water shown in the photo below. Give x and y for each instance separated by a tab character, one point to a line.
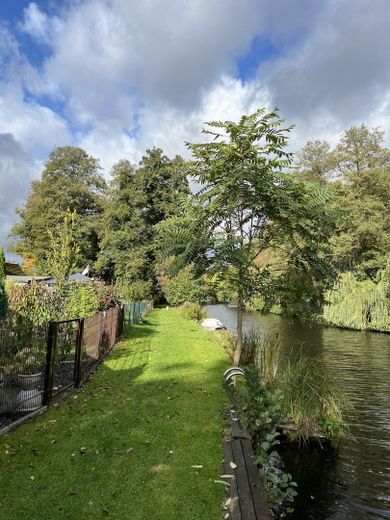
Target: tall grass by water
311	404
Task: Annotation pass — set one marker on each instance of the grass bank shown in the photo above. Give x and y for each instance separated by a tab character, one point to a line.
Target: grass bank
124	447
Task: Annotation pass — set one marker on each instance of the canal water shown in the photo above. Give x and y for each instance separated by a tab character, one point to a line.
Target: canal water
352	482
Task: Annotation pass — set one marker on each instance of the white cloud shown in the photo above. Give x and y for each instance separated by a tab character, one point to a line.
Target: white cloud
38	24
136	74
17	169
340	74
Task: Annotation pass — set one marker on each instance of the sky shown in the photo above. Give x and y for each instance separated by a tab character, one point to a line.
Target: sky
116	77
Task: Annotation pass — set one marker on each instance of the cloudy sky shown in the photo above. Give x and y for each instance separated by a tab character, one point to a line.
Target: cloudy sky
118	76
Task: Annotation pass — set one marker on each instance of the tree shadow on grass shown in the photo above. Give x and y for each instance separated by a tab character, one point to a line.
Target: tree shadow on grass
125	445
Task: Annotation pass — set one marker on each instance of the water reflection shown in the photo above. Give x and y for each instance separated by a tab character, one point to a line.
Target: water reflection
353	483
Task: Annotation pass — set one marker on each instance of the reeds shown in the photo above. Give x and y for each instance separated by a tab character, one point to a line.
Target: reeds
312	405
311	402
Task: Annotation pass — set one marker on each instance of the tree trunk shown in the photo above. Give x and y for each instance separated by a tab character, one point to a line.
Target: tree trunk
238	350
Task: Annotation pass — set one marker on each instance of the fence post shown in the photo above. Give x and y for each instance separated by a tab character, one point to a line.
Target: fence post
49	367
78	353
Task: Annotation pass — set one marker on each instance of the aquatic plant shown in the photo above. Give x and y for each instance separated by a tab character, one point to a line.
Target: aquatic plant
311	402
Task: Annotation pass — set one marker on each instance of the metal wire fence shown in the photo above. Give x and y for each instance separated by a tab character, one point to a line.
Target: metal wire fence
37	364
22	362
134	312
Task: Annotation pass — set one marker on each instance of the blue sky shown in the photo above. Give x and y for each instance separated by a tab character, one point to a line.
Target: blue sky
118	76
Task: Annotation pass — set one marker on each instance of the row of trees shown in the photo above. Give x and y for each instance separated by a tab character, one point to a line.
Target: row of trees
73	218
357	172
261	228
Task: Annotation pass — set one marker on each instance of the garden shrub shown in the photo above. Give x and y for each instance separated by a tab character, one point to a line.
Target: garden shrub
184	287
193	311
33	304
135	291
83	301
261	411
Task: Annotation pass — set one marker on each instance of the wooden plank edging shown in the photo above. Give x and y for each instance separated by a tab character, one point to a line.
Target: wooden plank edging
246	498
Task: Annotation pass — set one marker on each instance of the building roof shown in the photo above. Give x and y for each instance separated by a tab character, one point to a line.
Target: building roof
75	277
27	279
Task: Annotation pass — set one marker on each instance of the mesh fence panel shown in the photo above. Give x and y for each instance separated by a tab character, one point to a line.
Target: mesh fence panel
22	363
133	312
101	332
64	355
36	364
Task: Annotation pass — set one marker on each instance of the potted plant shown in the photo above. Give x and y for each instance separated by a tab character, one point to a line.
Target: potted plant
29	363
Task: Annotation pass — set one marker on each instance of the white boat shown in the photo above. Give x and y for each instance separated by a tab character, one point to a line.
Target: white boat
213	324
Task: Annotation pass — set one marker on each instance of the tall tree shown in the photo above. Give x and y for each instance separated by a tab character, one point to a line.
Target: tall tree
360	149
70	181
247	201
314	162
63	249
3	294
362	240
139	198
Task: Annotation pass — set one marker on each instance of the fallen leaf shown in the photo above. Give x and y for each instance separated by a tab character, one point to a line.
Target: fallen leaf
222	482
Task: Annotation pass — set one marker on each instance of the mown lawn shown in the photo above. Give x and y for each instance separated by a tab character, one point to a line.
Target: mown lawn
124	446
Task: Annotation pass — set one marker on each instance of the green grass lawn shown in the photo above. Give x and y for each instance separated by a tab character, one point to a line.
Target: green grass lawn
124	446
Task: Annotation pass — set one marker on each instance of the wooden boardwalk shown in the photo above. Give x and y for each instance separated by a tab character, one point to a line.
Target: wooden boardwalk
246	497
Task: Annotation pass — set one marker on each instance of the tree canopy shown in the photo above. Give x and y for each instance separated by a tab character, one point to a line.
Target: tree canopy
71	181
139	198
248	203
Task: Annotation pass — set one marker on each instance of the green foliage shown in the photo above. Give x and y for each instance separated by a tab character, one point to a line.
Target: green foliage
262	413
33	305
183	287
360	304
313	161
70	182
139	198
29	360
193	311
82	301
137	291
183	239
63	249
311	401
3	294
108	295
360	164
